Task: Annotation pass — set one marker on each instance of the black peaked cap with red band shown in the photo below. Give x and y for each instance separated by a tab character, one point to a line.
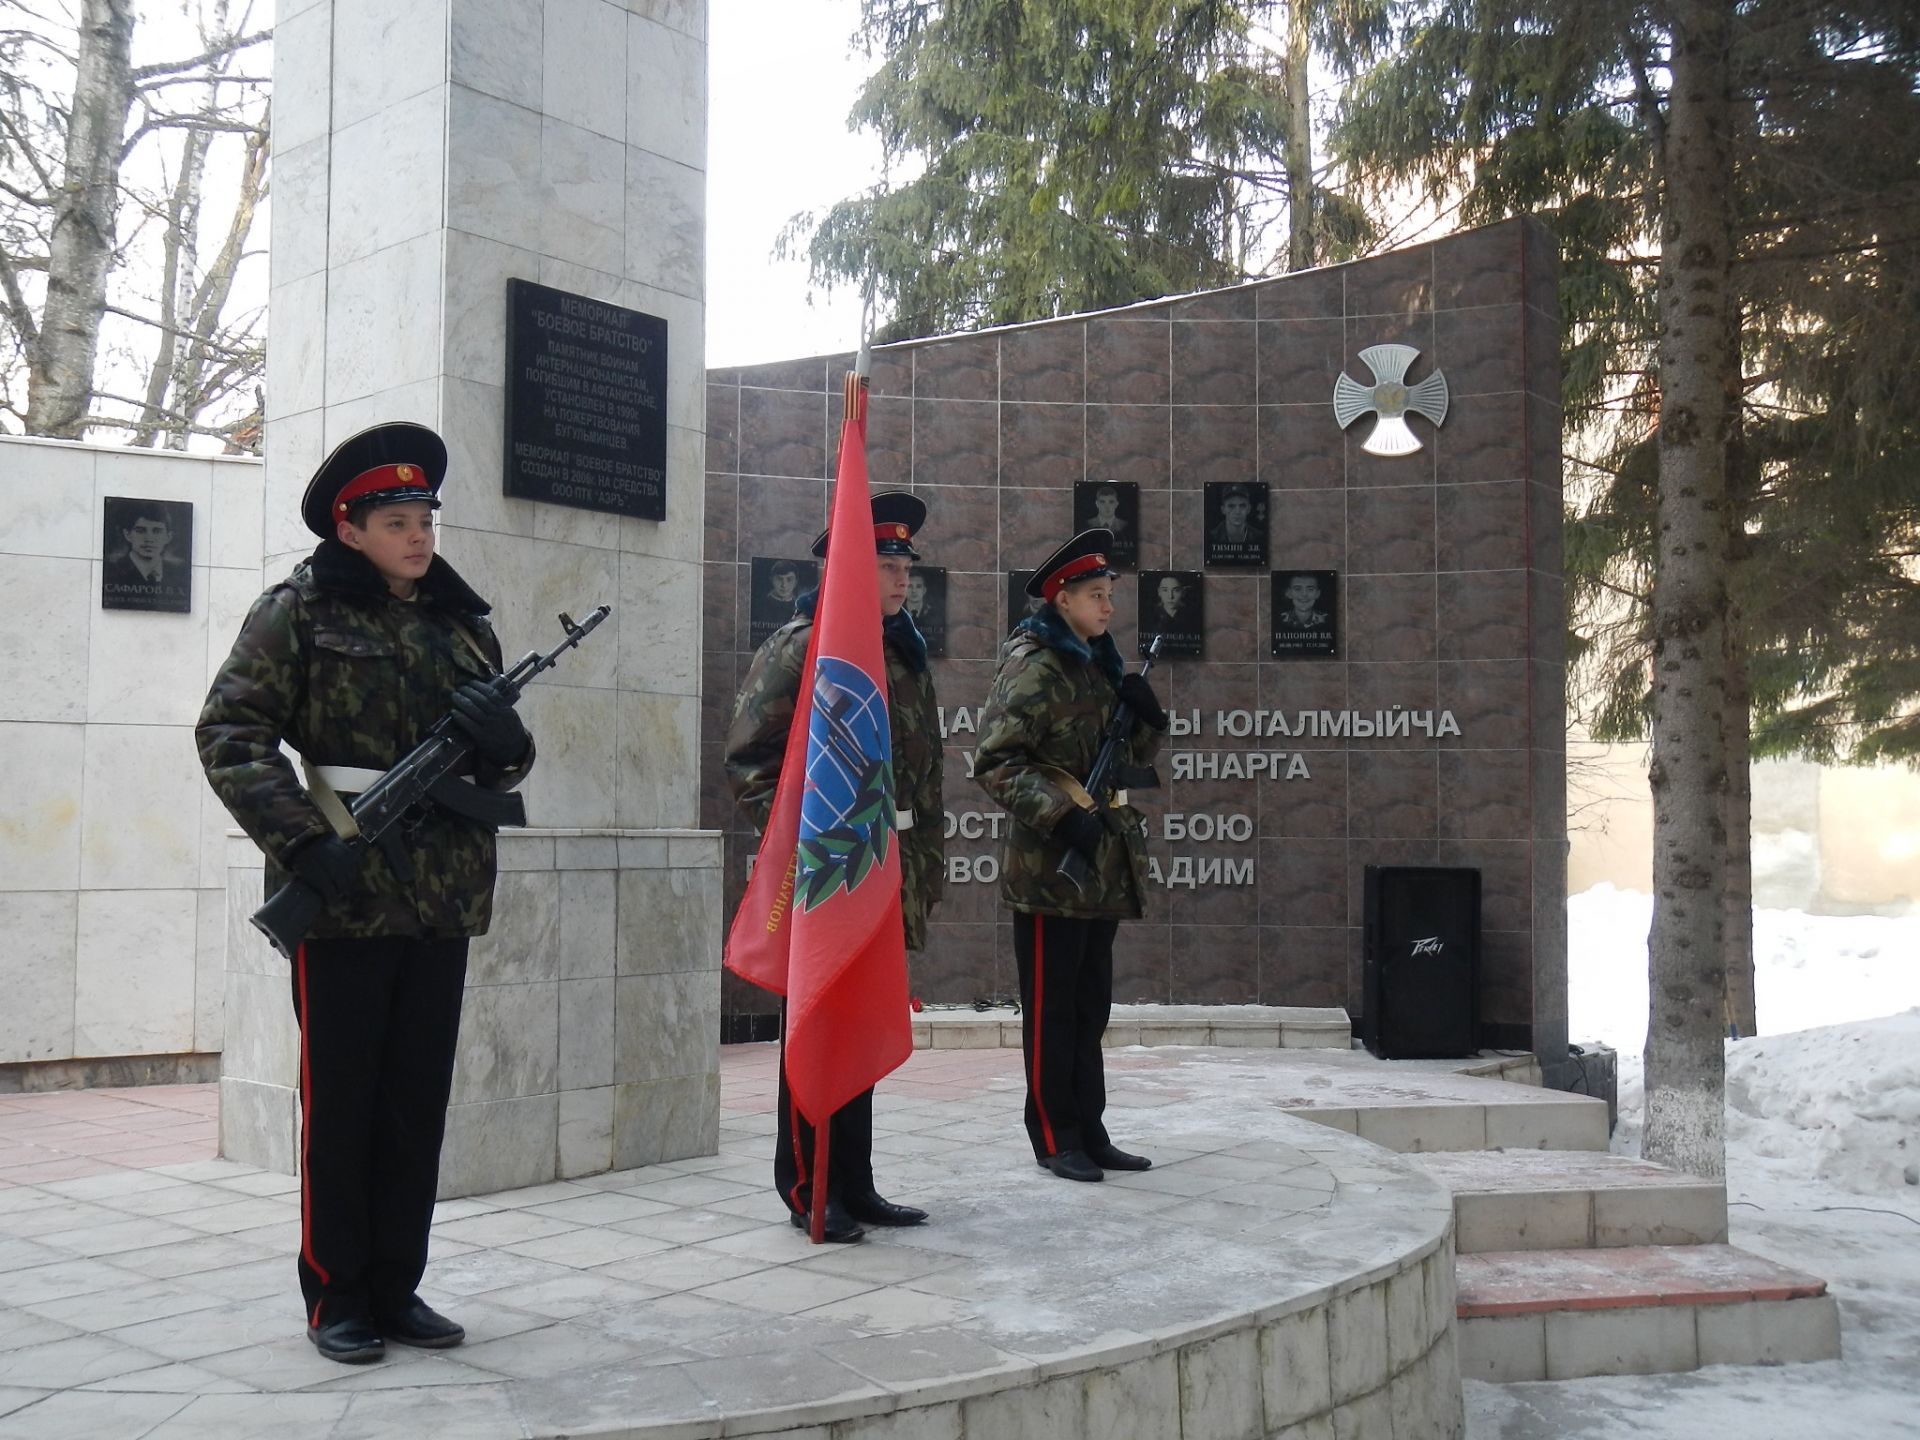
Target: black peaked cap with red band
1084	557
383	465
897	518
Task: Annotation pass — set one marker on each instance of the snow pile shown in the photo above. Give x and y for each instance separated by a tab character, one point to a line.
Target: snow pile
1839	1103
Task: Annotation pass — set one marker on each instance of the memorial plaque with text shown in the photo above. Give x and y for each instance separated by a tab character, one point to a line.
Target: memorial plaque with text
1306	619
776	585
1173	606
586	403
146	555
927	604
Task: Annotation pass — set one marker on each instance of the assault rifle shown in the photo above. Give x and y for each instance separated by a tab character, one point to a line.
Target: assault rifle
427	773
1111	771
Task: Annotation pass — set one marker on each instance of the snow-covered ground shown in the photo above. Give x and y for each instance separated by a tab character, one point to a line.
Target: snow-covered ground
1823	1173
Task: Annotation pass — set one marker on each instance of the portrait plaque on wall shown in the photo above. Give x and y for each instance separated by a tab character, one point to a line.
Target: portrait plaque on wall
1019	603
1173	606
1236	525
1306	614
146	554
1110	505
586	403
927	604
775	585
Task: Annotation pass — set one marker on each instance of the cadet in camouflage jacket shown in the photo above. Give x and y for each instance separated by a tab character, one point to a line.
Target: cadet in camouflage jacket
757	743
347	674
1042	725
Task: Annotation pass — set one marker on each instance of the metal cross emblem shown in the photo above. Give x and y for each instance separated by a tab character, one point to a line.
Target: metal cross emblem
1390	398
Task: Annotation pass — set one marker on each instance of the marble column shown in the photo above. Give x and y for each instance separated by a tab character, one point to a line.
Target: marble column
424	155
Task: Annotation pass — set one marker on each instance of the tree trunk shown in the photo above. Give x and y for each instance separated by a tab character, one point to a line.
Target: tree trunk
1737	917
178	247
1299	151
1685	1056
60	380
1737	941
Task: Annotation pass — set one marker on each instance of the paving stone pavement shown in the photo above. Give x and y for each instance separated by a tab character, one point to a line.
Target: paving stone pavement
147	1288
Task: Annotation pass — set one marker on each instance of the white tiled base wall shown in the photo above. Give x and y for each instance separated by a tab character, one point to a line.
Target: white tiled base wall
1375	1361
590	1035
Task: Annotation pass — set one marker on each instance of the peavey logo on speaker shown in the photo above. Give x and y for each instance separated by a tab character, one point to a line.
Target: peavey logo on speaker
1432	945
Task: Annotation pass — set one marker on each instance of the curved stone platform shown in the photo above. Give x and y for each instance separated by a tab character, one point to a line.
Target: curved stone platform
1268	1274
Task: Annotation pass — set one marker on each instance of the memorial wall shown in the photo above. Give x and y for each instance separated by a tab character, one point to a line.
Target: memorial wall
1364	621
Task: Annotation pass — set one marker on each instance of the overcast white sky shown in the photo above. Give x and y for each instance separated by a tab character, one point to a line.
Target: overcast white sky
782	77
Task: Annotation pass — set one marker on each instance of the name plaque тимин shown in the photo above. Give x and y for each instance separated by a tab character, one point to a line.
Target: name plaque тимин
586	403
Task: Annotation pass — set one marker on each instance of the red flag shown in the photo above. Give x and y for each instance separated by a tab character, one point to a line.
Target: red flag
820	921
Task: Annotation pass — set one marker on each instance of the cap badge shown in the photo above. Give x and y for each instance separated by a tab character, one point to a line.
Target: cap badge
1099	559
403	473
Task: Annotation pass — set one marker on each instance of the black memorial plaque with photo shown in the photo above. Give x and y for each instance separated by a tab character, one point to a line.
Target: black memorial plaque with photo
1306	614
1173	606
1019	603
146	554
1236	525
1110	505
776	585
927	604
586	403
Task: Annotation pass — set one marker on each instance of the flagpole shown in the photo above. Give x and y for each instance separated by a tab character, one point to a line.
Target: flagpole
853	413
822	1146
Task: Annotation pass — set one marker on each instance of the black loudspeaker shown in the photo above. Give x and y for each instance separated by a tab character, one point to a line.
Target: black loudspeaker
1421	962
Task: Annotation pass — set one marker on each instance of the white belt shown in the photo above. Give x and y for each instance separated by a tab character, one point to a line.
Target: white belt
347	779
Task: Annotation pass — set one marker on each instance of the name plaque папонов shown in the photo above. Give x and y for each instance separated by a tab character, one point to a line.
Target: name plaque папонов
586	403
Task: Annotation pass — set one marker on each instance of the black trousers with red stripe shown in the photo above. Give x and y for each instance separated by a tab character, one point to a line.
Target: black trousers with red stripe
849	1148
379	1020
1066	995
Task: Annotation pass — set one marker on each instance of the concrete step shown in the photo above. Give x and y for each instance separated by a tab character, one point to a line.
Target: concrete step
1269	1027
1417	1111
1636	1310
1567	1200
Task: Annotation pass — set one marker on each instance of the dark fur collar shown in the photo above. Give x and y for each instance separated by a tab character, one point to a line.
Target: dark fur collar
899	631
1050	630
341	570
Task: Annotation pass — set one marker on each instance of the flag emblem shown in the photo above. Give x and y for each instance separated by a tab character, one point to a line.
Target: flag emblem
846	813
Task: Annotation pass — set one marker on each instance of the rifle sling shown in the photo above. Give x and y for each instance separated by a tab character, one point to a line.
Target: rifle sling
324	783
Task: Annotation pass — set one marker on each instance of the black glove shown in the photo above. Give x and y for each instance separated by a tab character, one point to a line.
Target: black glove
329	865
1139	696
1082	830
483	711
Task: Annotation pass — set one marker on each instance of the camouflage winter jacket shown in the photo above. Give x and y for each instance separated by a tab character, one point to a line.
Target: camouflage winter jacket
346	674
1043	722
757	743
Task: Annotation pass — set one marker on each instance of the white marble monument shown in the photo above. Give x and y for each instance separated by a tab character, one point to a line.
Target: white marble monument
424	154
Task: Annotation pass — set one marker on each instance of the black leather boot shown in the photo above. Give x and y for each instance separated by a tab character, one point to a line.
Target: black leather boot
870	1209
1072	1165
351	1340
841	1227
417	1324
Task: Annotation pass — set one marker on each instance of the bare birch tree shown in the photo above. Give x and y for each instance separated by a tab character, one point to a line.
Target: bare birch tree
113	312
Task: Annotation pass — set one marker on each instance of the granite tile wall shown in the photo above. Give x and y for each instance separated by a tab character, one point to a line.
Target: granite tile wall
1450	600
112	849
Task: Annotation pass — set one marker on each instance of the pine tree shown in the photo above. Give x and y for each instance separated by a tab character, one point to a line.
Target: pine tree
1081	154
1559	109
